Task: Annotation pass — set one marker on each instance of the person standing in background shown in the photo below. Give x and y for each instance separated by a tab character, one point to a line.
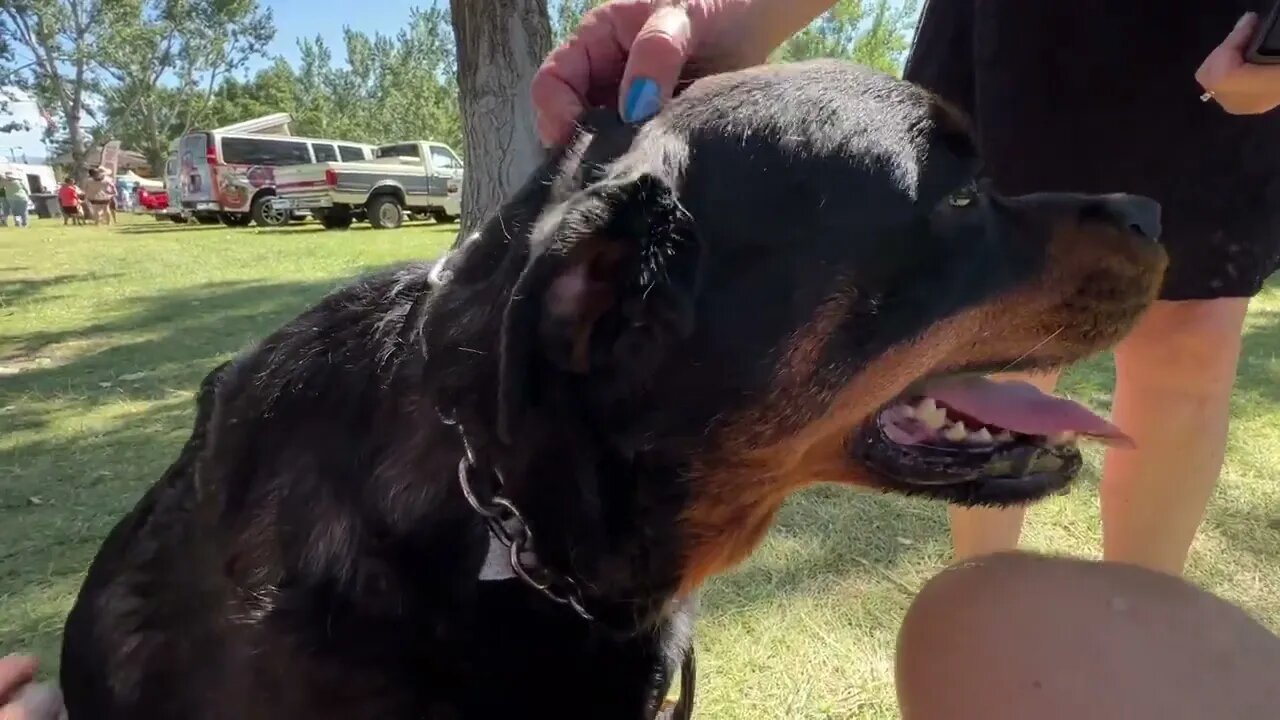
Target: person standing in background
69	199
99	192
1144	97
17	197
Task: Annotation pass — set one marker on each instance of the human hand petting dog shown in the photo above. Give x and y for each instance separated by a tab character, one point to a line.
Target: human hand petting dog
22	699
637	51
1240	87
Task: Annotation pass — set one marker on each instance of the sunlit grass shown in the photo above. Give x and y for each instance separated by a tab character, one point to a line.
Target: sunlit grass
104	335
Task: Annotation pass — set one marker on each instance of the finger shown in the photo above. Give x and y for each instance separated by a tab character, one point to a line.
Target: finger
653	68
557	104
15	672
1229	55
594	56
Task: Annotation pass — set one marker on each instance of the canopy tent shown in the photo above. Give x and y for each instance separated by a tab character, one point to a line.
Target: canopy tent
128	160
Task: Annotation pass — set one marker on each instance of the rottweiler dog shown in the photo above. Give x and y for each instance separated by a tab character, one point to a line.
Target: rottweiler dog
490	487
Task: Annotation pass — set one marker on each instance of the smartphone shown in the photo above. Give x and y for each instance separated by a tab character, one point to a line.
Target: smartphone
1264	49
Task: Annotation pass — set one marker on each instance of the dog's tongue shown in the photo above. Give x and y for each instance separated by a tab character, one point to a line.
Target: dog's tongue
1021	407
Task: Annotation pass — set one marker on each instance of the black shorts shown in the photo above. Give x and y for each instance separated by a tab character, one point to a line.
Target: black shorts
71	210
1101	96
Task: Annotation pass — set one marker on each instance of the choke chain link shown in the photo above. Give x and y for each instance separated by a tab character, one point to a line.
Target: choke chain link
509	526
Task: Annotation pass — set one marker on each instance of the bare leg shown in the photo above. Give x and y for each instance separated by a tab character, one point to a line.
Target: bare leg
981	531
1173	394
1020	636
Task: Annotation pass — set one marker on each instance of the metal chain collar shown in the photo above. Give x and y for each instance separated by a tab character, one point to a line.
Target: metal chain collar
509	526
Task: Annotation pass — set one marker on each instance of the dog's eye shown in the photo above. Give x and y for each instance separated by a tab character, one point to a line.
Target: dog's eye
963	198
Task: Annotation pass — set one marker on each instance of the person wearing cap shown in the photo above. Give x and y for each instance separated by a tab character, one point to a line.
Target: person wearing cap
17	196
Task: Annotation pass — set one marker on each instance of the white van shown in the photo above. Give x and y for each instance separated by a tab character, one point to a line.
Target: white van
231	176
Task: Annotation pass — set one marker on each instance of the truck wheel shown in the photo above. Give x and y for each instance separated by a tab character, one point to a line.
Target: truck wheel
336	221
266	214
236	219
385	212
443	217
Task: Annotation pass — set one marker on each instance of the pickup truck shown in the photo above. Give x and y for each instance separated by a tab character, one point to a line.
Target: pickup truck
423	178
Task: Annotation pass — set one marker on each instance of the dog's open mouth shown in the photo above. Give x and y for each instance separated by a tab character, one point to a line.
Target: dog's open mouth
967	429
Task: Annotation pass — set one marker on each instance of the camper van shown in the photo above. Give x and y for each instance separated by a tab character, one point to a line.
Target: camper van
40	178
228	174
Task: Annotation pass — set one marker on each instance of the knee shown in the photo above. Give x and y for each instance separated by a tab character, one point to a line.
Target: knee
1185	345
960	630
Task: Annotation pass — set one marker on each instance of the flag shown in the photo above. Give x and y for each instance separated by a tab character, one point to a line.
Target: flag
111	157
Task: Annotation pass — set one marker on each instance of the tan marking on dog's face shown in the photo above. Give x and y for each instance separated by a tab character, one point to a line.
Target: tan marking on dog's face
1096	283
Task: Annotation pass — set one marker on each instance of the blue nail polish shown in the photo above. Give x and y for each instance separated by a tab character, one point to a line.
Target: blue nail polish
643	100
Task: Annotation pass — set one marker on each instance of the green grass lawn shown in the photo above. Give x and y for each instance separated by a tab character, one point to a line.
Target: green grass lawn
104	334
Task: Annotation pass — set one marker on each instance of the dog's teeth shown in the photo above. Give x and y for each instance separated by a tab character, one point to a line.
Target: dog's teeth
981	437
1004	437
928	412
956	433
1063	438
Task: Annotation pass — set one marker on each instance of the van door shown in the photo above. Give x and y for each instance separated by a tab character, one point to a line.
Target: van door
196	176
173	184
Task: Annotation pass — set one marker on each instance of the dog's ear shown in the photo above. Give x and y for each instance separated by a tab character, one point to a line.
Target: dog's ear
609	286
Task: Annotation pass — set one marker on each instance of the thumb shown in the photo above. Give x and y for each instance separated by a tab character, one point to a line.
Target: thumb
1229	55
657	56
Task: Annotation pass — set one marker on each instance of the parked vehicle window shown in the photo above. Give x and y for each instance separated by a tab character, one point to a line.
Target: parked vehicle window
261	151
351	153
402	150
324	153
442	159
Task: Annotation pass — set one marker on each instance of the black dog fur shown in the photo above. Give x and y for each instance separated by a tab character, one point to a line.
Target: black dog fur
604	344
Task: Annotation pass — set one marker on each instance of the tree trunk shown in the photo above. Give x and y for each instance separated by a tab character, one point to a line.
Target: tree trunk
500	45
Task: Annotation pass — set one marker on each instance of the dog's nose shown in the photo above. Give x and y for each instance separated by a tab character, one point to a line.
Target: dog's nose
1138	214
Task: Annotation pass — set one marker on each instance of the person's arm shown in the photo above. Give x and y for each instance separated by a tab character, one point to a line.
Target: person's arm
1240	87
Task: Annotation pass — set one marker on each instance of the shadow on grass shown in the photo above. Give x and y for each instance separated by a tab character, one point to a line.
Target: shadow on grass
170	227
62	493
88	434
357	227
18	290
169	338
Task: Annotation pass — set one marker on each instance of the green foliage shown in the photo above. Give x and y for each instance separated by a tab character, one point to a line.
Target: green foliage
147	71
877	35
567	14
167	58
46	53
390	88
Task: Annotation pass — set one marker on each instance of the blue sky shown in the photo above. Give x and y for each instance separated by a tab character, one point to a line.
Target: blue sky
307	18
